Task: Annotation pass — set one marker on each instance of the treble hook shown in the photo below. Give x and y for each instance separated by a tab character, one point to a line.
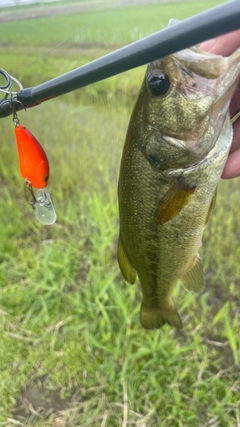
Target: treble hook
33	200
42	205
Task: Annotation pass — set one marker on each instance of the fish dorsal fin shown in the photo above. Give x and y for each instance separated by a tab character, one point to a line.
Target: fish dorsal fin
128	272
173	202
194	278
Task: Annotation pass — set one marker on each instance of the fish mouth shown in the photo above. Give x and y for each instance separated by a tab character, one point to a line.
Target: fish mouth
220	146
180	141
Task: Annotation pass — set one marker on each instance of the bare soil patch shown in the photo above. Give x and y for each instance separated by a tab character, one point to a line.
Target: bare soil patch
37	401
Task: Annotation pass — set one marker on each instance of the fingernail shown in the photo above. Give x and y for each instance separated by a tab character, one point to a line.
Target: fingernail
208	45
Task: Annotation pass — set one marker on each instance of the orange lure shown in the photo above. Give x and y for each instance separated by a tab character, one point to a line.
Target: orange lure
33	162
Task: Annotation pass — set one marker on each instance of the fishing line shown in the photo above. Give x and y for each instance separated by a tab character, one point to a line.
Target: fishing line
70	37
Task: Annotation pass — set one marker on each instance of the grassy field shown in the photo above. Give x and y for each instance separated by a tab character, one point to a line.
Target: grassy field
72	351
129	23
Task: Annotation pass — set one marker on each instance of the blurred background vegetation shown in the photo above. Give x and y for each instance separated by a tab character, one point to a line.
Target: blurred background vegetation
72	351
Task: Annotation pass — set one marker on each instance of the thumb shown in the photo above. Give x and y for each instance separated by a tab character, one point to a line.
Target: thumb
224	45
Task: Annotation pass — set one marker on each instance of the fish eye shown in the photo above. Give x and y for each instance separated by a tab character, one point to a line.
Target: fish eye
159	83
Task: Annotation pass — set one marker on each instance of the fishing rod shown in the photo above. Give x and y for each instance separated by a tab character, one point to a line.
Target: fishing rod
206	25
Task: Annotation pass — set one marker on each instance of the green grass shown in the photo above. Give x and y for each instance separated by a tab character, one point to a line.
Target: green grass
119	27
69	325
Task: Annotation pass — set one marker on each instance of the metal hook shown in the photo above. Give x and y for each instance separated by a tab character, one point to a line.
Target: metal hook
34	201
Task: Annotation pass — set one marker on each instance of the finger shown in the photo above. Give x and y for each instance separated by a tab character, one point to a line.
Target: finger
235	103
236	136
224	45
232	166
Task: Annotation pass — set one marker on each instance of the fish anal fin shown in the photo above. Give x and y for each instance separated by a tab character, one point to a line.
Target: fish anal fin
128	272
211	207
154	318
194	278
173	202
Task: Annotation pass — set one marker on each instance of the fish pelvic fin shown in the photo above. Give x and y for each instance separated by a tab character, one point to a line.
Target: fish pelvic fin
128	272
194	278
154	318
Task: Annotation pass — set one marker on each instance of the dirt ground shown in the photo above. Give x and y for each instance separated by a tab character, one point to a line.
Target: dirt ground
36	402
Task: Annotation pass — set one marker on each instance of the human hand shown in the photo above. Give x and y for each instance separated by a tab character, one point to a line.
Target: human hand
225	45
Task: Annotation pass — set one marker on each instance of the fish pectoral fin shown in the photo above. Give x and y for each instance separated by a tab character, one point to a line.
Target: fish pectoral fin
173	202
211	207
154	318
194	278
128	272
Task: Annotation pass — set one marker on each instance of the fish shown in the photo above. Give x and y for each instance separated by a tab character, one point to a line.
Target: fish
177	143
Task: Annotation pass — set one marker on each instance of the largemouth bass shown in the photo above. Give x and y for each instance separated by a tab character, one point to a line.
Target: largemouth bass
176	147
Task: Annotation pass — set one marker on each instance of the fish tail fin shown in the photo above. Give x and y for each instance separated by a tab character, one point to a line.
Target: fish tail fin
153	318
